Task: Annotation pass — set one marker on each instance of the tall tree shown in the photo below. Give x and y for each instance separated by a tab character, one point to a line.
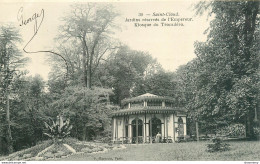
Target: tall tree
228	63
10	60
123	71
28	111
89	25
160	83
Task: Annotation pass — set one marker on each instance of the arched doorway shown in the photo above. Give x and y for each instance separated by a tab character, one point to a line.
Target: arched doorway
180	127
139	132
156	126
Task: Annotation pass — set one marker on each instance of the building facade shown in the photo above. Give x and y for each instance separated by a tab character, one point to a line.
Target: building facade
148	118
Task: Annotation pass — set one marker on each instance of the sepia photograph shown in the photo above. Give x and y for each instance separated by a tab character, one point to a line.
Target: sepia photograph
118	80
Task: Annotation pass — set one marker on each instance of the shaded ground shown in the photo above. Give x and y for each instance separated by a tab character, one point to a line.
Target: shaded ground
190	151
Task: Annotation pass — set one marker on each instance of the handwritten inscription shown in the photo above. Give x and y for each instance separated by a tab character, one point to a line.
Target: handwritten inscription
34	18
37	18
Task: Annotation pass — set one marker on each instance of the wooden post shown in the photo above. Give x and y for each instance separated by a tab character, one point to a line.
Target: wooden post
197	130
143	131
173	127
136	122
116	130
166	129
151	136
123	124
113	129
130	127
144	127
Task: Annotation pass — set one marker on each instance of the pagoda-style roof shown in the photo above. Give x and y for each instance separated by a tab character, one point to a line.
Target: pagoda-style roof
140	108
147	97
153	110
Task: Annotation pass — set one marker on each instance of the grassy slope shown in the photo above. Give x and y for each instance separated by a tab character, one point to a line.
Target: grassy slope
240	151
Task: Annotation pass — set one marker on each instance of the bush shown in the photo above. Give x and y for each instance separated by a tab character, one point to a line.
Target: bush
234	130
257	132
103	139
218	145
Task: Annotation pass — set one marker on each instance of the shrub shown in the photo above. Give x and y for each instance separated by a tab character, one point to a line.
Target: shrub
257	132
103	139
218	145
234	130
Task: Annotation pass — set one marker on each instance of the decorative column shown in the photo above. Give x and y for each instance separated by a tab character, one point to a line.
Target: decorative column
113	127
166	119
130	132
123	129
116	129
163	103
173	127
136	124
184	126
150	133
144	139
164	129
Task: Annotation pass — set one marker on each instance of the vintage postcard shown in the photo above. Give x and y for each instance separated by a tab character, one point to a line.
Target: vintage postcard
129	81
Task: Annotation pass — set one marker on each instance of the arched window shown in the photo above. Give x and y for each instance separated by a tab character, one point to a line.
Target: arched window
156	126
180	120
140	127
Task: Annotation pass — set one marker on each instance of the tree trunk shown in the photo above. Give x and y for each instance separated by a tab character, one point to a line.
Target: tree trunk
84	64
250	127
84	133
197	131
8	128
89	77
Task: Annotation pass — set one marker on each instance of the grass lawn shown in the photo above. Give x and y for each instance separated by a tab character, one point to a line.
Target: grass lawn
190	151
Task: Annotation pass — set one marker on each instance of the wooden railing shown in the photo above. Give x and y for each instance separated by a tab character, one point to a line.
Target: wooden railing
129	140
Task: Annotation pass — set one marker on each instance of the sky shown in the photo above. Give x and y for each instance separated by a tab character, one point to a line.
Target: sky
172	46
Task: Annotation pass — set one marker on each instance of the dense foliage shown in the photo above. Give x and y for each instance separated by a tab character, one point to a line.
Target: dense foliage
234	130
222	83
